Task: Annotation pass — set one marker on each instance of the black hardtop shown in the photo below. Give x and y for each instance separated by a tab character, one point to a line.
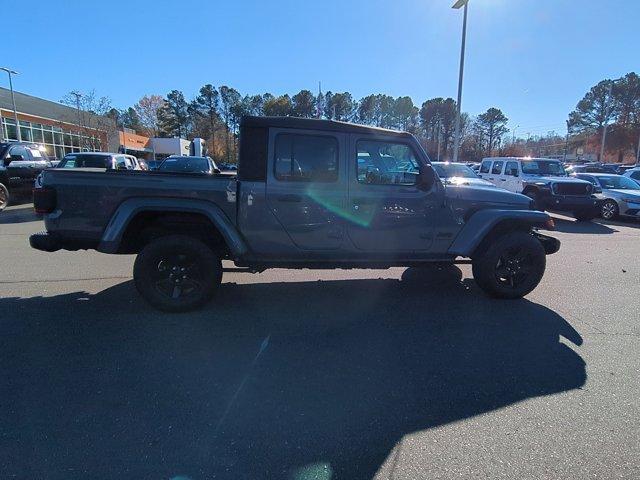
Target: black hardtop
318	124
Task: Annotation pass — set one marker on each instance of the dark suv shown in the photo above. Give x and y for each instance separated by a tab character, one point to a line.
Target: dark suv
20	164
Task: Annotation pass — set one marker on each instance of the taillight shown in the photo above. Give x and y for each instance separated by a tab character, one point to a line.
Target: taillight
44	199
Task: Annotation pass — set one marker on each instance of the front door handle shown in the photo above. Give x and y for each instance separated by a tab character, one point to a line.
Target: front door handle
290	197
503	179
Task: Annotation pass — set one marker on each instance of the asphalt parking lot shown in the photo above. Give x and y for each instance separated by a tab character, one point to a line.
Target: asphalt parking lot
392	374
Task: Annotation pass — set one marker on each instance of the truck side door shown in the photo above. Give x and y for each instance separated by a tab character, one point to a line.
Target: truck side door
496	172
512	181
388	212
306	186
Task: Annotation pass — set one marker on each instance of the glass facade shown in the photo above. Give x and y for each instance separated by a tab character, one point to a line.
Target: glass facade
57	141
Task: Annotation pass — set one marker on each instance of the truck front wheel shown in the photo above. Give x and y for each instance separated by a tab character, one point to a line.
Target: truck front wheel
177	273
511	267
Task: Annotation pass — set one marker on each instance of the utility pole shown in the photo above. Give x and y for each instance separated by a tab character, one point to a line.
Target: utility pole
13	100
456	140
438	140
606	120
566	142
78	95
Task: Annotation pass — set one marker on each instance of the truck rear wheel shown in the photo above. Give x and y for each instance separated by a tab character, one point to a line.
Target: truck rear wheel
177	273
511	267
4	197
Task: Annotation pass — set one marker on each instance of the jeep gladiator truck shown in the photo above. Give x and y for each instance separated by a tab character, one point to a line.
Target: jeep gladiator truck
308	194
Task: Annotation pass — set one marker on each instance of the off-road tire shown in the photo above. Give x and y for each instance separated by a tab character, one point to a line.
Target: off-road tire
4	197
490	267
177	273
535	196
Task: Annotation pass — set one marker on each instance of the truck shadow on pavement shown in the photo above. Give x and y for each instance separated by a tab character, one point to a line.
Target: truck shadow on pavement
299	380
573	226
18	215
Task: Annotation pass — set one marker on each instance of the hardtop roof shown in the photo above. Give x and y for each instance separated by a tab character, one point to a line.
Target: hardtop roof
318	124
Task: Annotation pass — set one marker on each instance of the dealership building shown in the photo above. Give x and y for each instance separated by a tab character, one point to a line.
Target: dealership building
59	128
62	129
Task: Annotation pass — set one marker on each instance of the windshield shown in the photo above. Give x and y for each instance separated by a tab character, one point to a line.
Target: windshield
618	182
85	161
543	167
185	165
448	170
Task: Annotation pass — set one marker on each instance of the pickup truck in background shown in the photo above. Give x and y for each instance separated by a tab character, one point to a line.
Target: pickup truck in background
20	164
308	194
546	182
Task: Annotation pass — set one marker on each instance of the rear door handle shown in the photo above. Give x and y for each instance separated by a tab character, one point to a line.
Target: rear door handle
503	179
290	197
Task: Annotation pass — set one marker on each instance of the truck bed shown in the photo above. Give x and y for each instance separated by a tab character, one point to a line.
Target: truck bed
87	198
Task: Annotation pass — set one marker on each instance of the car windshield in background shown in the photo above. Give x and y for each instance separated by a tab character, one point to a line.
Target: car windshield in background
542	167
618	182
185	165
448	170
85	161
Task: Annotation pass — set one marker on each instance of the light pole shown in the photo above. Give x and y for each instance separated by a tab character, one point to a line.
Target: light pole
78	96
13	100
606	119
456	142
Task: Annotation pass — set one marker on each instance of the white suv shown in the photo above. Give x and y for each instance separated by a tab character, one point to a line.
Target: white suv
545	181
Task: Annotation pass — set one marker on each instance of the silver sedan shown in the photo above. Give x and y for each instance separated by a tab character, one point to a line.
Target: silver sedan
620	195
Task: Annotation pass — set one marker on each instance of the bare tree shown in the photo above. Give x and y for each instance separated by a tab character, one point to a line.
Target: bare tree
147	110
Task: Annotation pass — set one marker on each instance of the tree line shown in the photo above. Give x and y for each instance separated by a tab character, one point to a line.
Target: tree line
215	112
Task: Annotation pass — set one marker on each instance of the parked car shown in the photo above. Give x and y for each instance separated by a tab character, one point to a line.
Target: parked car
545	182
188	164
20	164
101	160
459	174
633	174
591	168
620	195
622	169
308	194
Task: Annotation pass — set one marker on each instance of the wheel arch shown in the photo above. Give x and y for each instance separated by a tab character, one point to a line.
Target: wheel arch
171	215
486	225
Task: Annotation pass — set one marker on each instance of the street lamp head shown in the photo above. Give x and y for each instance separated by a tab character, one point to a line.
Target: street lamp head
9	71
460	4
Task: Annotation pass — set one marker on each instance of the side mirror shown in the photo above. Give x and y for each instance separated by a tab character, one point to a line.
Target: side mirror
426	178
597	189
216	170
515	173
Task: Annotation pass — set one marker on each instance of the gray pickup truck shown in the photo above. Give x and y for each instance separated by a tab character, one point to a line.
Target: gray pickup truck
308	194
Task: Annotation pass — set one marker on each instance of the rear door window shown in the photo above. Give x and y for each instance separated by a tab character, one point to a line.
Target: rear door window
306	158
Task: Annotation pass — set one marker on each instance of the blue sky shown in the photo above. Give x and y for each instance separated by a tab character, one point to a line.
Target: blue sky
534	59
